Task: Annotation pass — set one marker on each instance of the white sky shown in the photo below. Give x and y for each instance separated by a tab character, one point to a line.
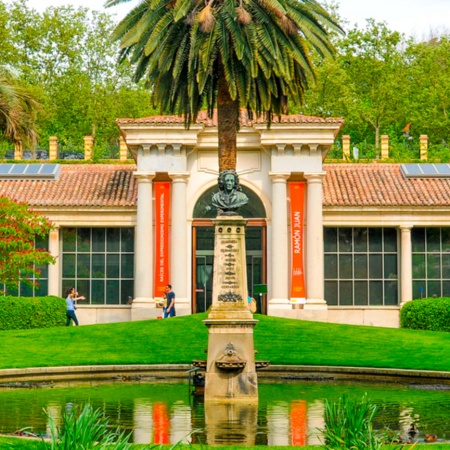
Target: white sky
412	17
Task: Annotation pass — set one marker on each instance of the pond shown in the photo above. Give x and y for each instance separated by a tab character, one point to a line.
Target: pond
288	413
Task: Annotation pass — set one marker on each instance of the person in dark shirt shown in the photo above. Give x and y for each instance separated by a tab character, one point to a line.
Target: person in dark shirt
170	308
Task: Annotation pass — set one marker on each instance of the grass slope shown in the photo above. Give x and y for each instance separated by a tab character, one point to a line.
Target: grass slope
182	339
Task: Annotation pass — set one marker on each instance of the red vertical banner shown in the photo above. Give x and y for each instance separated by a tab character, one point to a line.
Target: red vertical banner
161	424
297	195
299	423
162	215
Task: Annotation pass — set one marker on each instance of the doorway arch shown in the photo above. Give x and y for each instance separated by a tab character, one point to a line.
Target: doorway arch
203	248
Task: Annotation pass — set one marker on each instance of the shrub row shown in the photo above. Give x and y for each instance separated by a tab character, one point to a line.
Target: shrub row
431	314
20	313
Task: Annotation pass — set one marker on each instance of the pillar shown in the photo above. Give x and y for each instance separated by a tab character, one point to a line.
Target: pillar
54	270
143	304
405	265
279	250
18	150
314	243
88	146
179	243
346	147
123	149
53	147
423	147
384	146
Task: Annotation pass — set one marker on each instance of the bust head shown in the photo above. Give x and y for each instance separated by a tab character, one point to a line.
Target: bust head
229	181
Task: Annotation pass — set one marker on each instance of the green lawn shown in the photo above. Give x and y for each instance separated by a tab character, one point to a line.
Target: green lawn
182	339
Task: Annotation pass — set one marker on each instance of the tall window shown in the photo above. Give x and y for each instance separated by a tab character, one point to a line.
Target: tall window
40	287
99	263
361	266
431	262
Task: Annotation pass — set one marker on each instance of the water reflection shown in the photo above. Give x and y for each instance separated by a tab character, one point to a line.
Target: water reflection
287	414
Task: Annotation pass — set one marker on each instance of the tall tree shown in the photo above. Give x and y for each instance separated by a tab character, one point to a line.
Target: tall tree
224	54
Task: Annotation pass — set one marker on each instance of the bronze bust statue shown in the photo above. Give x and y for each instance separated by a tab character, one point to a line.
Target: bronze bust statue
230	196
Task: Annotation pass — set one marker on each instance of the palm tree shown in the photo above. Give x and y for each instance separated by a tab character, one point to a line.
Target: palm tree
224	54
17	110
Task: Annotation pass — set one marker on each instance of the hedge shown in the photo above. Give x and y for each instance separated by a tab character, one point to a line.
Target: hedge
20	313
431	314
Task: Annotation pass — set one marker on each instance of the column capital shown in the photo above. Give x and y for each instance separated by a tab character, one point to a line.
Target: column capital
144	176
279	177
406	227
312	177
179	177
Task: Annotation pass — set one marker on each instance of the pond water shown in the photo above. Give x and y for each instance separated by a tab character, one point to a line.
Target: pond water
288	413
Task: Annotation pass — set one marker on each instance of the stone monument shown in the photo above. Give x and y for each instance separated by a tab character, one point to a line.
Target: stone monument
230	368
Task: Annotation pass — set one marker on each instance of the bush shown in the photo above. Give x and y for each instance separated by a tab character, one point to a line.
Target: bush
21	313
431	314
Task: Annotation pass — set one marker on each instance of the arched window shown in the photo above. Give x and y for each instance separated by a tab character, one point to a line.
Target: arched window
252	210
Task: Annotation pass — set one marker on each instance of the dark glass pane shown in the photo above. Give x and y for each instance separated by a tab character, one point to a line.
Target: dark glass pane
68	266
434	289
375	293
390	267
331	266
433	240
330	239
83	287
83	240
127	242
360	237
375	239
98	265
98	292
345	267
434	266
112	266
446	288
127	264
390	240
41	289
446	267
361	293
205	238
83	266
331	292
360	266
112	239
345	293
418	266
69	237
253	209
253	238
419	290
391	293
26	290
98	239
445	240
41	242
375	266
418	239
127	291
112	292
43	270
345	239
14	291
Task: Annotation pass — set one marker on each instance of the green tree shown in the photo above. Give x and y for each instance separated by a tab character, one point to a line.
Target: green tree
224	54
19	257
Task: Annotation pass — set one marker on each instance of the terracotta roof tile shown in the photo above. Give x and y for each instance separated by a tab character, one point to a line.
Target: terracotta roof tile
244	119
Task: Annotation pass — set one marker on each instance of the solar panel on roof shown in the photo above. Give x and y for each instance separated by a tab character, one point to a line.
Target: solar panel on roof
29	171
426	170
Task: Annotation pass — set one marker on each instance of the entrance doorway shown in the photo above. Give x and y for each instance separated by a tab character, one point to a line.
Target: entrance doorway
203	261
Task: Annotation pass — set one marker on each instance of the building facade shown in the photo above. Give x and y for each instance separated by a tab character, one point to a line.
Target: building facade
352	245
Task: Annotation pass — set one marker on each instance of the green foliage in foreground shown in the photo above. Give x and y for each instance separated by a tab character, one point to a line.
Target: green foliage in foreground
22	313
427	314
281	341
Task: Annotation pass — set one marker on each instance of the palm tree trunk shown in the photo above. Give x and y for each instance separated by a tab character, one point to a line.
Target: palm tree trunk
228	124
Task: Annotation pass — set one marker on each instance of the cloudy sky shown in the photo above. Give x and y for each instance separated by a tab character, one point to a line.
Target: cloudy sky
412	17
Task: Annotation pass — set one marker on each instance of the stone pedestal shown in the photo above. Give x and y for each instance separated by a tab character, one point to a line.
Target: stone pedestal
230	371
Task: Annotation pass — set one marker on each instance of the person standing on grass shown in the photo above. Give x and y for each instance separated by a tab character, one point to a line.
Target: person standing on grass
170	306
71	298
